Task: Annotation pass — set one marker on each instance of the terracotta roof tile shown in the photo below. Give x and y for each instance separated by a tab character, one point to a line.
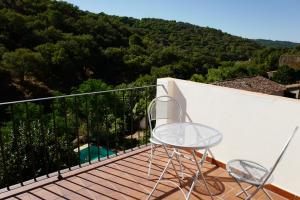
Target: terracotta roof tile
254	84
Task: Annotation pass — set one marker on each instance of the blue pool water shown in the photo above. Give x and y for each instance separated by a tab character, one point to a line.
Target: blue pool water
84	153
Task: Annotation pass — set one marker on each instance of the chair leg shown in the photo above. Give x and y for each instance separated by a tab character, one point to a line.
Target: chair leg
267	194
180	163
243	190
203	159
249	196
254	193
212	155
150	159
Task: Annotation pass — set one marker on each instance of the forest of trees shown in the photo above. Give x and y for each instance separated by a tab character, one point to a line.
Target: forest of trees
276	43
50	48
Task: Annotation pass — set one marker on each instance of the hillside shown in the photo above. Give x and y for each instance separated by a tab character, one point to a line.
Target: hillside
62	46
276	43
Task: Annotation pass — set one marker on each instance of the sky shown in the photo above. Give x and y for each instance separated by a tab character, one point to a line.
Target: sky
254	19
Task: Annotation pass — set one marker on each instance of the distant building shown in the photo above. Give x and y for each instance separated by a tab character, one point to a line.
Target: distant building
293	61
255	84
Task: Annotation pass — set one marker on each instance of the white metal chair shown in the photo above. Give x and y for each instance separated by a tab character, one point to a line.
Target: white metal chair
162	110
253	173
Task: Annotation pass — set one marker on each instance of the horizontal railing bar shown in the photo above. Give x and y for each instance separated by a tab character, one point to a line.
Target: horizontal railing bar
79	94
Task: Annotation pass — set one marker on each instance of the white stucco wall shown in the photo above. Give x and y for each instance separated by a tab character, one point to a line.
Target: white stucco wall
255	126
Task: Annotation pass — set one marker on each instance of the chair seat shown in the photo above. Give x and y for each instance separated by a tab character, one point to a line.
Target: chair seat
248	171
154	141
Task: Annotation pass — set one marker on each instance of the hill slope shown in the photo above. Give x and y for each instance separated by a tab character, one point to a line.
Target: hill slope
63	46
276	43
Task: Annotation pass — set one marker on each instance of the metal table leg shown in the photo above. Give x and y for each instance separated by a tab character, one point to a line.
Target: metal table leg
198	164
197	175
165	169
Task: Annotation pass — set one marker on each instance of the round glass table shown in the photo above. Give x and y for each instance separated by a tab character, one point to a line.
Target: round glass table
190	136
187	135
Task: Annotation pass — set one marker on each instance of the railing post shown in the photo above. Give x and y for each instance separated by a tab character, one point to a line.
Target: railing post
76	129
15	136
97	127
56	142
42	131
146	118
131	119
28	134
66	131
5	175
88	127
106	134
116	134
123	124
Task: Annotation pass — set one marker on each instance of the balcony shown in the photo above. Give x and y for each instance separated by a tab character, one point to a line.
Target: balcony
56	127
125	177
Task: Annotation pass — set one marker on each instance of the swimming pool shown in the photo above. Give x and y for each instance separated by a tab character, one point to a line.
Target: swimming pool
84	153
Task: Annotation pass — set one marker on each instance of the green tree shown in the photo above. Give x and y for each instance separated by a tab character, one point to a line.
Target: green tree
97	111
285	75
22	62
214	75
135	40
3	49
198	78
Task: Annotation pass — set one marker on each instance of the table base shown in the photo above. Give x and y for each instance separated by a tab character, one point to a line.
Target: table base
196	176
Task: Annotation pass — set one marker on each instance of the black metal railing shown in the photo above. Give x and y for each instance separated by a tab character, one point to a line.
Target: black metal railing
46	136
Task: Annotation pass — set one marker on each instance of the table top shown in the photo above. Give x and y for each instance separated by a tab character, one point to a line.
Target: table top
187	135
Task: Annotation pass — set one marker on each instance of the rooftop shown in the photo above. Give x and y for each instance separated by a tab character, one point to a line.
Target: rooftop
254	84
125	177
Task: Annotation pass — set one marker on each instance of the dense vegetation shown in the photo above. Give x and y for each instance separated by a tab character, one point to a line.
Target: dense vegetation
51	47
48	45
276	43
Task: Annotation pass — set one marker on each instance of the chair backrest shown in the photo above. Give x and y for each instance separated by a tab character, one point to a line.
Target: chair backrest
164	109
280	156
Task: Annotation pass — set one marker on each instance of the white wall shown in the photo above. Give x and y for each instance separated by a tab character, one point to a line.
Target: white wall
255	126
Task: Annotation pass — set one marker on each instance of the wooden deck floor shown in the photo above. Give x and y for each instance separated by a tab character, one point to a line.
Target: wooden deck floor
125	177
